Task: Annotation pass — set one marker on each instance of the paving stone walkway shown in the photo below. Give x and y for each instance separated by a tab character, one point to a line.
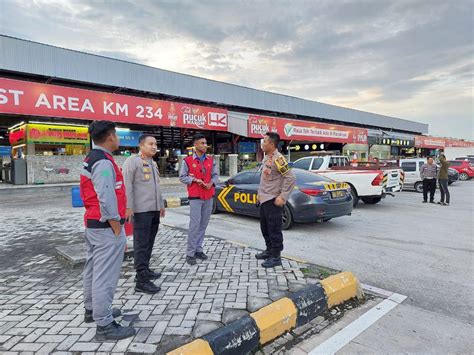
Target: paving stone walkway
41	307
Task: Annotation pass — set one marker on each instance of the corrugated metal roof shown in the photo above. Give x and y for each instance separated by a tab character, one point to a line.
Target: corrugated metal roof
23	56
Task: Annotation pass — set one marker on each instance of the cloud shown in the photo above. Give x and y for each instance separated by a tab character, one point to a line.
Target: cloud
408	59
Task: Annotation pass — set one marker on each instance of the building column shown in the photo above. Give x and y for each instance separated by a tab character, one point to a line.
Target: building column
233	159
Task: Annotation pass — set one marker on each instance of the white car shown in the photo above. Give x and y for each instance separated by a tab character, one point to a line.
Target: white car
368	185
412	167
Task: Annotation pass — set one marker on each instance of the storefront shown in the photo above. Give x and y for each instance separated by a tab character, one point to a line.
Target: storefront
301	138
391	146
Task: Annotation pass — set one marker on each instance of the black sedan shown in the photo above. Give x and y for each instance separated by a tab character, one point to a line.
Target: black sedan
315	198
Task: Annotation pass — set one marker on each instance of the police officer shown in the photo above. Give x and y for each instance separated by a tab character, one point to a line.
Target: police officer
145	204
276	183
103	193
199	172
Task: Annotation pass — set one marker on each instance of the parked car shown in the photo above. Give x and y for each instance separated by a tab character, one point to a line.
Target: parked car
469	159
464	168
368	184
412	168
315	198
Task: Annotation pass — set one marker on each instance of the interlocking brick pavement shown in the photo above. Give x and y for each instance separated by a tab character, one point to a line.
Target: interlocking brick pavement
41	308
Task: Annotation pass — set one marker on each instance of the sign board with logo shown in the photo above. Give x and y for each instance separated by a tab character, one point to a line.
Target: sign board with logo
438	142
247	147
42	133
288	129
27	98
129	138
5	150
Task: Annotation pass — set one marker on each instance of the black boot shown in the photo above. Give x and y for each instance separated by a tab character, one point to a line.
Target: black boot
113	331
153	275
264	255
88	315
143	283
274	260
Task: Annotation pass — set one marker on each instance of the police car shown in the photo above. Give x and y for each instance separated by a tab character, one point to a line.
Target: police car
314	198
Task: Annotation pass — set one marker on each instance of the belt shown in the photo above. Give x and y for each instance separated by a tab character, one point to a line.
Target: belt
94	223
430	178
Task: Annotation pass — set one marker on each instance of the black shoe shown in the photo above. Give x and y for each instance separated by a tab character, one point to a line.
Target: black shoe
113	331
153	275
272	262
147	287
432	202
191	260
88	315
440	203
201	255
425	201
264	255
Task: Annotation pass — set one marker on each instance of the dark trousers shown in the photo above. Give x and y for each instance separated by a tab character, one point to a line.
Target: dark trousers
443	188
145	228
270	224
429	185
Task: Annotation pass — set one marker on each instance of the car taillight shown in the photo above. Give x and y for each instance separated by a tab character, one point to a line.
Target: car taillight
314	192
378	180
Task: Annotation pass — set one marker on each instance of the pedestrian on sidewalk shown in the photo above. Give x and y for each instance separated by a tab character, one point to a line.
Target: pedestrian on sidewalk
443	179
103	192
276	183
145	207
199	172
429	173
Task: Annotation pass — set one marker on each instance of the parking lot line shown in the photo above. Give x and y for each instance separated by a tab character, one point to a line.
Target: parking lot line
357	327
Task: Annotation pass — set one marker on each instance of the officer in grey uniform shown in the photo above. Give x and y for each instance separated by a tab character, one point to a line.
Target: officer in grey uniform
104	199
276	183
145	204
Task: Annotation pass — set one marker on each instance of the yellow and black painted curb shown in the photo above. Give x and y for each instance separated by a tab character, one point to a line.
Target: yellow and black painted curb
173	202
247	333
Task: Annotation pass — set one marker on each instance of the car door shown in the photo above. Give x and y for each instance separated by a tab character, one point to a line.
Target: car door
236	197
245	195
412	174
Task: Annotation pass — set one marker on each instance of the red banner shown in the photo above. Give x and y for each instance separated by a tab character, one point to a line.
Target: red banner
27	98
288	129
438	143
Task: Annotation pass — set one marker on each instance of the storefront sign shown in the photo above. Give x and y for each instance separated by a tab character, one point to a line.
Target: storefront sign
288	129
393	141
42	133
429	142
5	151
439	143
129	138
27	98
17	135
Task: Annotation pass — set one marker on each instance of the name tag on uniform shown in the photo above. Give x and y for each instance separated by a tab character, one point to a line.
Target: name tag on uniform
146	170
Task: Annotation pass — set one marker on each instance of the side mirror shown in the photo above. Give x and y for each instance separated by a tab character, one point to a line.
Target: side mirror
227	183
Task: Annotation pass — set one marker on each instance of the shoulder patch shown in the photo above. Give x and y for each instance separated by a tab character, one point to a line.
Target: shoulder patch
106	173
282	165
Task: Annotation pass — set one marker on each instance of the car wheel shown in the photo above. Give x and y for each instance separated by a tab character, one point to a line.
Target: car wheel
287	218
327	219
419	187
214	207
463	177
371	200
355	197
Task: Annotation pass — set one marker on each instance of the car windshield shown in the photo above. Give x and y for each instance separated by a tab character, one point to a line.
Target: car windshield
305	177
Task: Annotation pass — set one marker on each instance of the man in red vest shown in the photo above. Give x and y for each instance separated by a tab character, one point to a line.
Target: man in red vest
200	174
104	197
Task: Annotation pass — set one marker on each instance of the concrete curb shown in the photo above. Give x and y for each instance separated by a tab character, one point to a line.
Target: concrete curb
268	323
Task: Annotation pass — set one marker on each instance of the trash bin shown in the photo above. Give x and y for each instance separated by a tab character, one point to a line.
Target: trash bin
76	197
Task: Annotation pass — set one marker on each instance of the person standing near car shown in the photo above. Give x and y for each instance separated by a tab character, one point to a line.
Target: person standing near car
276	183
429	173
103	192
146	206
199	172
443	179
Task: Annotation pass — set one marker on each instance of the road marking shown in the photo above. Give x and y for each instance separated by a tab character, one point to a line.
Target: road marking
357	327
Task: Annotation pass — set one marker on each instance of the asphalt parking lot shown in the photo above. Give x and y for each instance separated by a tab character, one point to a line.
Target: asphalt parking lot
424	251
